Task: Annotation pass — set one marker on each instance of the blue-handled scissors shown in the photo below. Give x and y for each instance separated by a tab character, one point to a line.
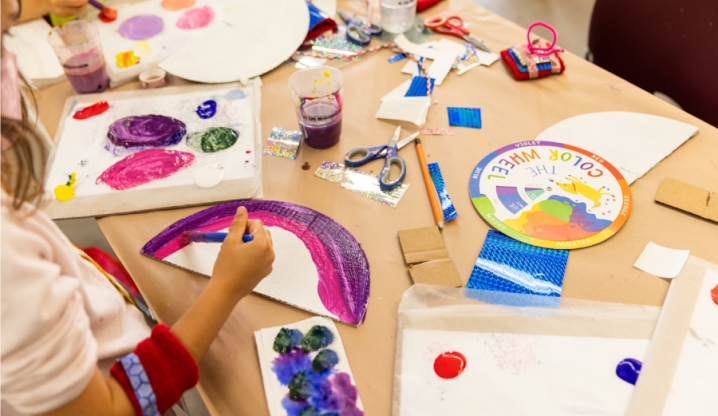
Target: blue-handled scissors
357	32
390	152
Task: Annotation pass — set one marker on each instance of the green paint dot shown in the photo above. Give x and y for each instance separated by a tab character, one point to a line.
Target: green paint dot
325	360
300	387
316	338
213	139
286	340
557	209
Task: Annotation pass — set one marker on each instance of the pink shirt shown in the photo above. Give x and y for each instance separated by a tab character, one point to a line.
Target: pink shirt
60	316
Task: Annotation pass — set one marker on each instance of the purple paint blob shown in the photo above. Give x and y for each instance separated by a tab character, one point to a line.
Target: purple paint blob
341	263
141	27
285	366
628	370
146	131
144	166
196	18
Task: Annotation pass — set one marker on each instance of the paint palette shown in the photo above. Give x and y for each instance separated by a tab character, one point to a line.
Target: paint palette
318	267
550	194
143	150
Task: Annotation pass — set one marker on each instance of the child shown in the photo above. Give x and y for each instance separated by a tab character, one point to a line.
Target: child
66	325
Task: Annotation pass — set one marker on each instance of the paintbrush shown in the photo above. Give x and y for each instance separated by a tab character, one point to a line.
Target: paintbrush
107	14
209	237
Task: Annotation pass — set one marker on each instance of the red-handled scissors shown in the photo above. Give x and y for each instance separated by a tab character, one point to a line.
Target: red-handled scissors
454	26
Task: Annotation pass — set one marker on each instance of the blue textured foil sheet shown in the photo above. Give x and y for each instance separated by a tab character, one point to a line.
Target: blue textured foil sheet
446	205
508	265
464	117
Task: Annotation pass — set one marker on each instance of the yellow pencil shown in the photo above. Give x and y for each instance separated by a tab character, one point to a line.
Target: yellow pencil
433	196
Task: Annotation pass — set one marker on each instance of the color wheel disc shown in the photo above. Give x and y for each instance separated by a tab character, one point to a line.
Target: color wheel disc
550	194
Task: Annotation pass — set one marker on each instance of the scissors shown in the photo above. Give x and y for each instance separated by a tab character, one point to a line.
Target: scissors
390	152
454	26
357	32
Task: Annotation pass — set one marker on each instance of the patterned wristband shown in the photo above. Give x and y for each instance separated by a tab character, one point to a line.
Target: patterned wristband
140	384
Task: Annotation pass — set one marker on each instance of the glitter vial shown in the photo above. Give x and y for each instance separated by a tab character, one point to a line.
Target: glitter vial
397	16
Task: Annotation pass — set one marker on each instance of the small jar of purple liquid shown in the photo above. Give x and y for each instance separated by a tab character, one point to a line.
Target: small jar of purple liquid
77	45
317	94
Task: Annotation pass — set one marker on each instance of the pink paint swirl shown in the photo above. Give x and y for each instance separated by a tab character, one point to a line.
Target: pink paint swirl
196	18
144	166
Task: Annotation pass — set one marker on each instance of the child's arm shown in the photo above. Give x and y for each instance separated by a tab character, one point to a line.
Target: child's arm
238	269
32	9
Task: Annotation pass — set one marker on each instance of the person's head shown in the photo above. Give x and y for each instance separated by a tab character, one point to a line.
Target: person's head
23	150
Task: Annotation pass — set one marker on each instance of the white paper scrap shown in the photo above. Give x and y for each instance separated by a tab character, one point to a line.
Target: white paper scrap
632	142
411	109
36	60
443	58
487	58
661	261
398	92
462	69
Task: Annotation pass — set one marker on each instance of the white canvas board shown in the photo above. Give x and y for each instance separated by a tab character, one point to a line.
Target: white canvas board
154	49
516	374
695	381
273	389
36	60
84	149
253	38
661	261
294	278
632	142
411	109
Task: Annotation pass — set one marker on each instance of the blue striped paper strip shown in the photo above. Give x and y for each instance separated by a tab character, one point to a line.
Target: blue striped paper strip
446	205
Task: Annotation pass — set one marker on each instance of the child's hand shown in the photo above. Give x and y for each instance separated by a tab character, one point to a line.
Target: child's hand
66	8
241	266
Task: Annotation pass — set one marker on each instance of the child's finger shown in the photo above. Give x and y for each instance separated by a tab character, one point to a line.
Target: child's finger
239	223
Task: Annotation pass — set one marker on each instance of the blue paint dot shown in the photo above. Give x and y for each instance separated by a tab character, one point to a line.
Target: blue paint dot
628	370
207	109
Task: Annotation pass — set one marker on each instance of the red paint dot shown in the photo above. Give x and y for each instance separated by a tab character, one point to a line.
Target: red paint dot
714	295
249	151
449	364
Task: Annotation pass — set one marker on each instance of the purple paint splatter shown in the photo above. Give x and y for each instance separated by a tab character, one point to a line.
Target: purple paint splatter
207	109
144	166
341	263
628	370
146	131
141	27
312	390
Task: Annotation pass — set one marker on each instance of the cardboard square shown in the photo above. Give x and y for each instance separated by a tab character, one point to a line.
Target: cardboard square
422	244
689	198
436	272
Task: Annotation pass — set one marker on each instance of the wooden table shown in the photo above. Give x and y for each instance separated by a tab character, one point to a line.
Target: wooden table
512	111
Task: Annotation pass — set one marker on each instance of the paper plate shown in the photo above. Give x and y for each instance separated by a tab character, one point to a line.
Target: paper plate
550	194
253	38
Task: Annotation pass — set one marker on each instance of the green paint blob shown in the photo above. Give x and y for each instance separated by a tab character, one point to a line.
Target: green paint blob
325	360
286	340
213	139
317	337
558	209
300	388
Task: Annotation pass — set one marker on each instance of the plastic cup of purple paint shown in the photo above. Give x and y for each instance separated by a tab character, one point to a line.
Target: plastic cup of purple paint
317	93
77	46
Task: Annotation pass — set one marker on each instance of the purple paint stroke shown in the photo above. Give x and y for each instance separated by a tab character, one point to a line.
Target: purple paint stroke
628	370
144	166
151	130
285	366
141	27
342	265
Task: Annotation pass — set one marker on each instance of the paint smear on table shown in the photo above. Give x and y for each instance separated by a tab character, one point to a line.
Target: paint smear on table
91	111
628	370
449	364
315	386
174	5
126	59
207	109
213	139
66	191
143	167
141	27
146	131
196	18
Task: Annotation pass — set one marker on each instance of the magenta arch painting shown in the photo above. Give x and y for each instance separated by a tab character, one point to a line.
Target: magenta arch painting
341	270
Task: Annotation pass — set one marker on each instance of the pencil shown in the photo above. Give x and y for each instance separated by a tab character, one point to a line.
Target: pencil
433	196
